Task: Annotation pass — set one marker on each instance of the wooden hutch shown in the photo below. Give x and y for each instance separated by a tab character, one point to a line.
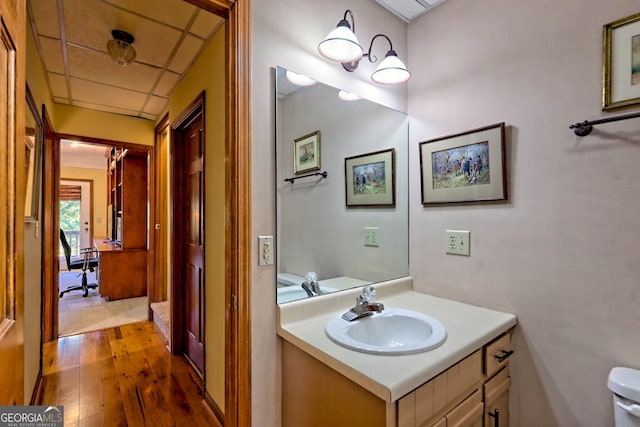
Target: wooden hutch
123	255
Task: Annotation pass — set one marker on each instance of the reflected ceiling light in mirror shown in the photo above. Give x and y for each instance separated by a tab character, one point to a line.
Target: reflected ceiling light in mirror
348	96
299	79
336	45
341	44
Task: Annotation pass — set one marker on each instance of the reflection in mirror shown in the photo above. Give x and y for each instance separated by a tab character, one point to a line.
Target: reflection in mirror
345	244
33	158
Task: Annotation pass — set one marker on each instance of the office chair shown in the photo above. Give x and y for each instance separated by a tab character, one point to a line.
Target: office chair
85	263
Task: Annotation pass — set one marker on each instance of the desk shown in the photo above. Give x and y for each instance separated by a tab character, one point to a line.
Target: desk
122	273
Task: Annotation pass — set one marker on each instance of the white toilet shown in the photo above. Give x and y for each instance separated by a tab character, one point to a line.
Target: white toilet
625	385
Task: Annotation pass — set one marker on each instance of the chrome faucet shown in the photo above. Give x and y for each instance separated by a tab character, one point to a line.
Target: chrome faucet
364	305
311	285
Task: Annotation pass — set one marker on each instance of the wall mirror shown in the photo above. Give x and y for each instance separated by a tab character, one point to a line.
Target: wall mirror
342	190
33	158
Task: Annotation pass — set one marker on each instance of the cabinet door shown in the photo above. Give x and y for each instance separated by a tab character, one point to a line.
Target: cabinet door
496	396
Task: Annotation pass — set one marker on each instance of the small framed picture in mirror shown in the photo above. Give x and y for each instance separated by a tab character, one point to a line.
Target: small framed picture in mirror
370	179
306	153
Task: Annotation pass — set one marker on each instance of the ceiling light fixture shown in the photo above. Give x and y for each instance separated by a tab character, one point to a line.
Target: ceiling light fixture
341	45
120	47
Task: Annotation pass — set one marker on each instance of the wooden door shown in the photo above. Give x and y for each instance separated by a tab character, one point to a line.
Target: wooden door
12	201
188	277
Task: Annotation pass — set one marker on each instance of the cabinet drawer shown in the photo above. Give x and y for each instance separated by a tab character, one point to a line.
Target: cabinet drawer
497	386
467	414
496	354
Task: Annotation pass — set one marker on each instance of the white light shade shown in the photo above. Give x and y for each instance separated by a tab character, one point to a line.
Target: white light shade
341	45
348	96
391	71
299	79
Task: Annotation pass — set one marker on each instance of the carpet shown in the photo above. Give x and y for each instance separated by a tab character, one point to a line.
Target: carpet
77	314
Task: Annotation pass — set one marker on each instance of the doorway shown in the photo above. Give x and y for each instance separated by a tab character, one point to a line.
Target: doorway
75	214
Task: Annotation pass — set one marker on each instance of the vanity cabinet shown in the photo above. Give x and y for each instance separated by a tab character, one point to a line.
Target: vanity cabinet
498	381
473	392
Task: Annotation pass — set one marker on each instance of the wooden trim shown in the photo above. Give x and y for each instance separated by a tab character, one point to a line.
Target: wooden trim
214	407
194	110
50	233
159	259
238	235
50	222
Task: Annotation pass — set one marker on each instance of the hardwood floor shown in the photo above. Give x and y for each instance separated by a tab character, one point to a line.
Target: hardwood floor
122	376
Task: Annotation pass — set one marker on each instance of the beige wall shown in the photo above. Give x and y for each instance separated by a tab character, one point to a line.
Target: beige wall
294	46
80	121
33	238
562	254
208	74
99	178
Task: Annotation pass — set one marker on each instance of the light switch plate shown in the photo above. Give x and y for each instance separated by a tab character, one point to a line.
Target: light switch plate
371	237
265	250
457	242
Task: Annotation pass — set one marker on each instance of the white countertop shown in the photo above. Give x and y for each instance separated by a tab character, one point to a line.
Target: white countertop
468	328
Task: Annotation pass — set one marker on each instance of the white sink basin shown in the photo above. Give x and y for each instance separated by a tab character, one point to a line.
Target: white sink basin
292	293
393	331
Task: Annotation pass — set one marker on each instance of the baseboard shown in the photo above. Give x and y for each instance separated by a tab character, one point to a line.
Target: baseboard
36	390
214	407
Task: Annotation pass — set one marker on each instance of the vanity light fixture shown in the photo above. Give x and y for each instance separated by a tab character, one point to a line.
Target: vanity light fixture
348	96
120	47
341	45
299	79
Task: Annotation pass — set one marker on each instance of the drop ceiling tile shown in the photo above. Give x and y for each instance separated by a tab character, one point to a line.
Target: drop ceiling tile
167	82
52	54
98	94
89	22
58	84
154	42
204	24
97	66
176	13
188	49
45	15
155	105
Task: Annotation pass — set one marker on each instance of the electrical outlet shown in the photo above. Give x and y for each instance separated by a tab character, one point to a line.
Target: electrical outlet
265	250
457	242
371	237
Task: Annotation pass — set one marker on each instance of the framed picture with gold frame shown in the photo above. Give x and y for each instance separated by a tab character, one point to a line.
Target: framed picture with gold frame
306	153
621	63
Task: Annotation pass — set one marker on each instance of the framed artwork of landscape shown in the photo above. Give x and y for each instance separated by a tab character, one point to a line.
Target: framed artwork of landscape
466	167
370	179
306	153
621	63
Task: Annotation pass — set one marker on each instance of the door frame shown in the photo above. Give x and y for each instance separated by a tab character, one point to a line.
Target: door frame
50	226
91	203
178	167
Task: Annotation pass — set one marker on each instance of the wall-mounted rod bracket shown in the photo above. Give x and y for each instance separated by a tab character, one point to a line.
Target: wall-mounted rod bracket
585	128
323	174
